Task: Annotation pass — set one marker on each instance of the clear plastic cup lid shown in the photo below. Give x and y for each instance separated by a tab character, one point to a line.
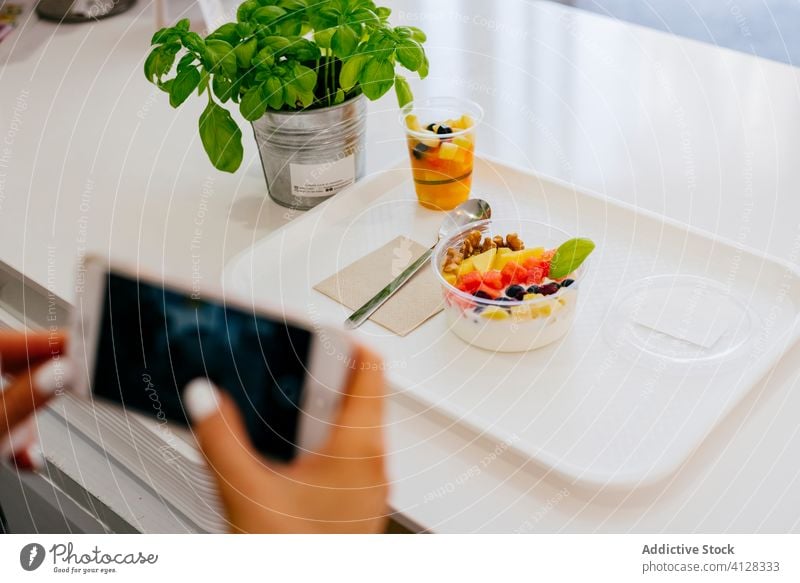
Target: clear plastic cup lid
680	319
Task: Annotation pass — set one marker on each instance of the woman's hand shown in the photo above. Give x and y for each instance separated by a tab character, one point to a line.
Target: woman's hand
31	363
341	488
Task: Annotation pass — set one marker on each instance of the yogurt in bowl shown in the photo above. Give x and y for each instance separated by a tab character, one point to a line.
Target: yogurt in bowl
503	295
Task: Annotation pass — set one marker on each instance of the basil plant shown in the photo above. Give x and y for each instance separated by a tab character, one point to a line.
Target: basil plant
283	55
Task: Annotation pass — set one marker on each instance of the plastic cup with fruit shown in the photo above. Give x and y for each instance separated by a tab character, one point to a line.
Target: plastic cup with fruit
440	134
503	295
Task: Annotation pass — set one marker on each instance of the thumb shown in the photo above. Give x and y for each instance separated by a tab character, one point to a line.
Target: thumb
223	438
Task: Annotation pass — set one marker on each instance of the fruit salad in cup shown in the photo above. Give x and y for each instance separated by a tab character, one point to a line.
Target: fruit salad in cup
503	295
440	135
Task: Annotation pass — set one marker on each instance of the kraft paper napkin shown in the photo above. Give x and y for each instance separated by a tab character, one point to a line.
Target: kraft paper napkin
417	301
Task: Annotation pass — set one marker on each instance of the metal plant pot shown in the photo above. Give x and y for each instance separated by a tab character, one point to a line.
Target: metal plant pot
309	156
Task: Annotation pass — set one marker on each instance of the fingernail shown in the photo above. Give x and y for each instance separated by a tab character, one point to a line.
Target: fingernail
200	397
29	460
54	376
19	439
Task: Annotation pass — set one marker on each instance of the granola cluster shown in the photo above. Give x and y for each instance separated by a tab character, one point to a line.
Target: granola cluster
475	244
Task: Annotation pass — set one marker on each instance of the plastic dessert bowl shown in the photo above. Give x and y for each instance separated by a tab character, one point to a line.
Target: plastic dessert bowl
505	324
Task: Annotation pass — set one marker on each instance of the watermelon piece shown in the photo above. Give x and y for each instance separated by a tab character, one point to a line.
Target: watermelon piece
469	282
513	273
489	291
535	275
493	279
540	264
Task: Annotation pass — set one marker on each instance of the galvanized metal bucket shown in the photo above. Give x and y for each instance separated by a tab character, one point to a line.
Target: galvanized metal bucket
308	156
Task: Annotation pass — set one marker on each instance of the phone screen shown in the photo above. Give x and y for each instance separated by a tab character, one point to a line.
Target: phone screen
153	342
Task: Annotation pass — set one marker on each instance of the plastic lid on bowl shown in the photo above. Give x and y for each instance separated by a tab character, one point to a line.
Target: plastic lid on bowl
681	319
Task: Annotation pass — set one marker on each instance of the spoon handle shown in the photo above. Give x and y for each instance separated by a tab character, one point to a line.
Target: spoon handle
364	312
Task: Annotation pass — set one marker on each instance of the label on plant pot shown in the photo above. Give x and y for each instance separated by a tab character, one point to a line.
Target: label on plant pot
323	179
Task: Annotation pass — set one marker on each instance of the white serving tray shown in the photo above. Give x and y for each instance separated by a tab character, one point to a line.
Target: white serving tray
613	403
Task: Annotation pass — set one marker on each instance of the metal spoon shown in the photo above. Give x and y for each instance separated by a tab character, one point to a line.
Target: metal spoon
469	212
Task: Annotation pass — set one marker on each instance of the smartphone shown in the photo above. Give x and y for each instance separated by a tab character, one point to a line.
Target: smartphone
137	341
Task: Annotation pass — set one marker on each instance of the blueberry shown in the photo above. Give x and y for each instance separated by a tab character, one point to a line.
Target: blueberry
534	289
443	130
549	289
515	291
482	295
419	150
504	299
431	127
567	282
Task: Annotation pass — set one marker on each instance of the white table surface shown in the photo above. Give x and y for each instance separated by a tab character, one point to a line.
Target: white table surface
99	161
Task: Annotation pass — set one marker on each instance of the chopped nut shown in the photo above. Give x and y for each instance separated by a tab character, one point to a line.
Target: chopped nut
487	244
498	241
474	238
450	267
513	241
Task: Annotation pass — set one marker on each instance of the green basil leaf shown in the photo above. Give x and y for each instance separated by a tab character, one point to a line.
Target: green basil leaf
377	78
351	71
569	257
186	61
384	48
244	53
291	96
203	84
340	95
344	41
272	91
291	25
292	5
403	90
330	12
226	32
253	104
182	25
323	37
410	54
306	98
305	78
184	84
221	137
222	57
268	14
423	70
322	20
263	58
383	12
150	65
164	35
302	49
246	9
159	61
276	43
245	29
222	87
366	17
236	89
194	42
417	34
